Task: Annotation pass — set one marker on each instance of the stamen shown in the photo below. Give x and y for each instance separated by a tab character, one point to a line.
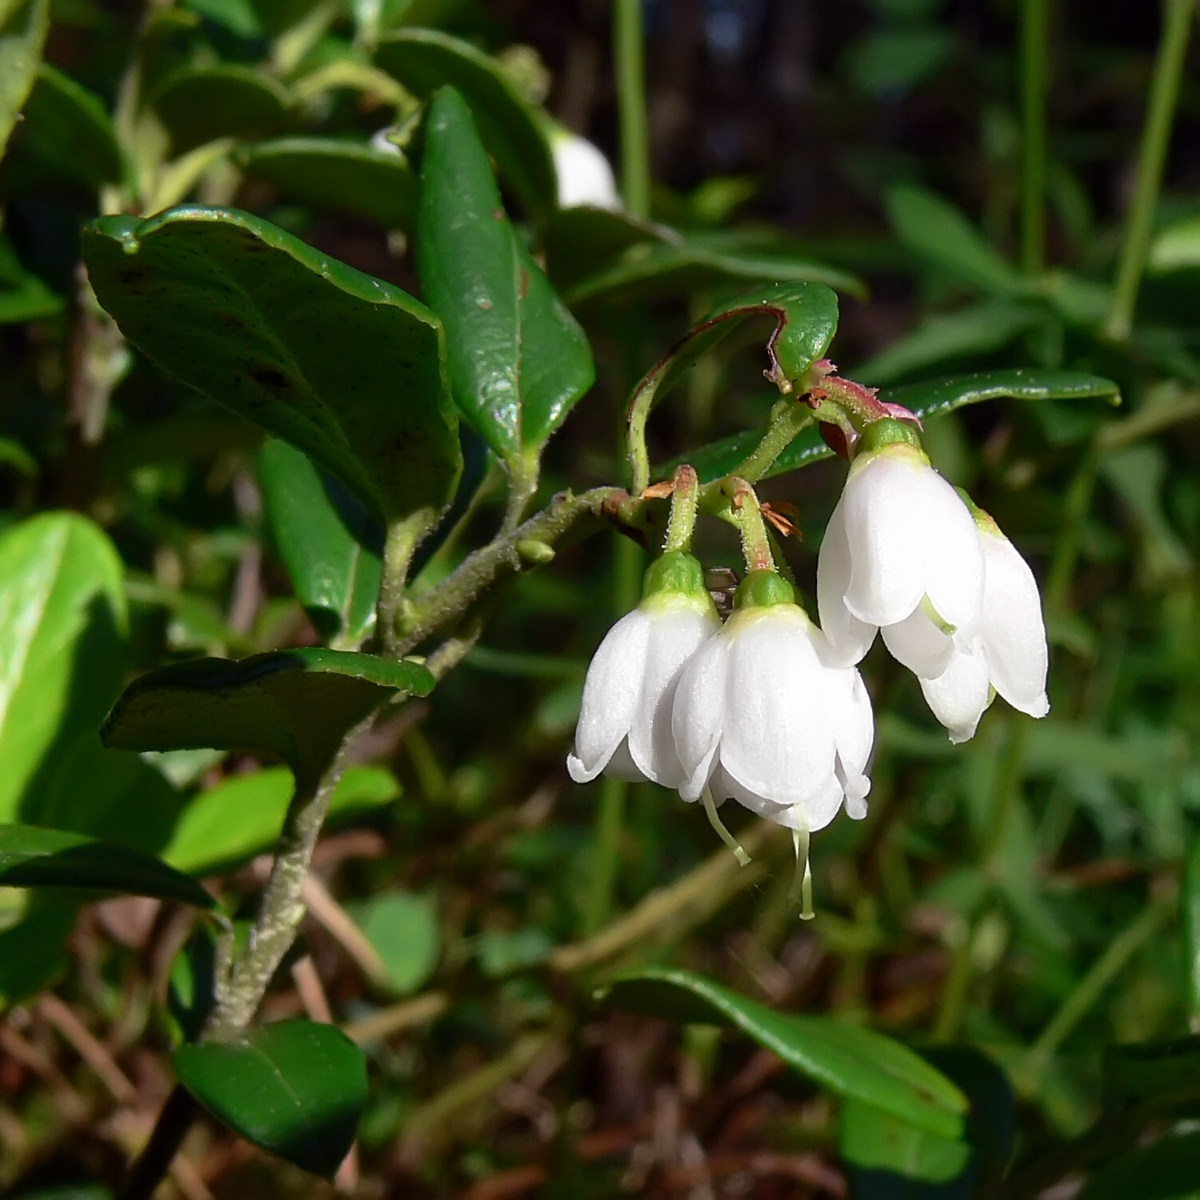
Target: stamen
710	809
936	617
801	889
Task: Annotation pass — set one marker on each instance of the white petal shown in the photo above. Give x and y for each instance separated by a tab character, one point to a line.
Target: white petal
676	633
584	173
848	637
815	812
852	722
1014	635
919	645
698	713
885	503
960	694
610	695
954	578
775	742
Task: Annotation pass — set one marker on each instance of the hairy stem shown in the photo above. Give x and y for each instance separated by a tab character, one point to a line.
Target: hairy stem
1152	157
403	537
782	432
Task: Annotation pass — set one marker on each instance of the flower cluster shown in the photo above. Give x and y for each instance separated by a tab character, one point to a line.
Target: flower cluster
769	709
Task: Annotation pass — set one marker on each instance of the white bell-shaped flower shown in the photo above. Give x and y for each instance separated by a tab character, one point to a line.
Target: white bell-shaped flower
901	555
584	174
763	716
624	725
1008	656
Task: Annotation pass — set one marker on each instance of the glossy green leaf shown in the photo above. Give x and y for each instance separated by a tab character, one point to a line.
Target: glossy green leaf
200	104
403	929
62	622
928	400
345	176
67	128
23	25
296	704
805	317
934	230
345	367
699	264
1168	1170
518	359
31	856
582	241
295	1089
329	543
425	60
878	1140
242	815
854	1062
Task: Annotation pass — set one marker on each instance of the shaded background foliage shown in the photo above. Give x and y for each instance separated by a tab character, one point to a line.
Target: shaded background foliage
1025	896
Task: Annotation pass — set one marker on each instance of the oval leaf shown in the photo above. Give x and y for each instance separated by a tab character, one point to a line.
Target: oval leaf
876	1140
328	542
295	1089
851	1061
425	60
31	856
242	815
351	177
201	104
344	366
518	359
927	400
296	704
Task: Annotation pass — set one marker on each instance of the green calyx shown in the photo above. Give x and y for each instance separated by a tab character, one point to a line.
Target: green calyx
762	589
676	572
888	432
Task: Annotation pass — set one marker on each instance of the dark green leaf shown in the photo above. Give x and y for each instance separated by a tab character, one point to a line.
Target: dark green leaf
345	367
658	270
200	104
1190	920
878	1140
425	60
1164	1070
350	177
34	857
852	1061
23	26
582	241
33	951
242	815
928	400
1168	1170
296	704
518	359
329	543
295	1089
933	229
69	130
805	317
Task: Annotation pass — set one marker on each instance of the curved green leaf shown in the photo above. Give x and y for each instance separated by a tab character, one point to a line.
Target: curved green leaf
62	626
68	129
328	542
425	60
296	704
200	104
242	816
351	177
295	1089
31	856
933	229
658	270
518	359
805	316
852	1061
23	25
928	400
878	1140
582	241
345	367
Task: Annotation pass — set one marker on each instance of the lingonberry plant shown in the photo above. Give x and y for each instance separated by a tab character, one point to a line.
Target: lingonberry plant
408	470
